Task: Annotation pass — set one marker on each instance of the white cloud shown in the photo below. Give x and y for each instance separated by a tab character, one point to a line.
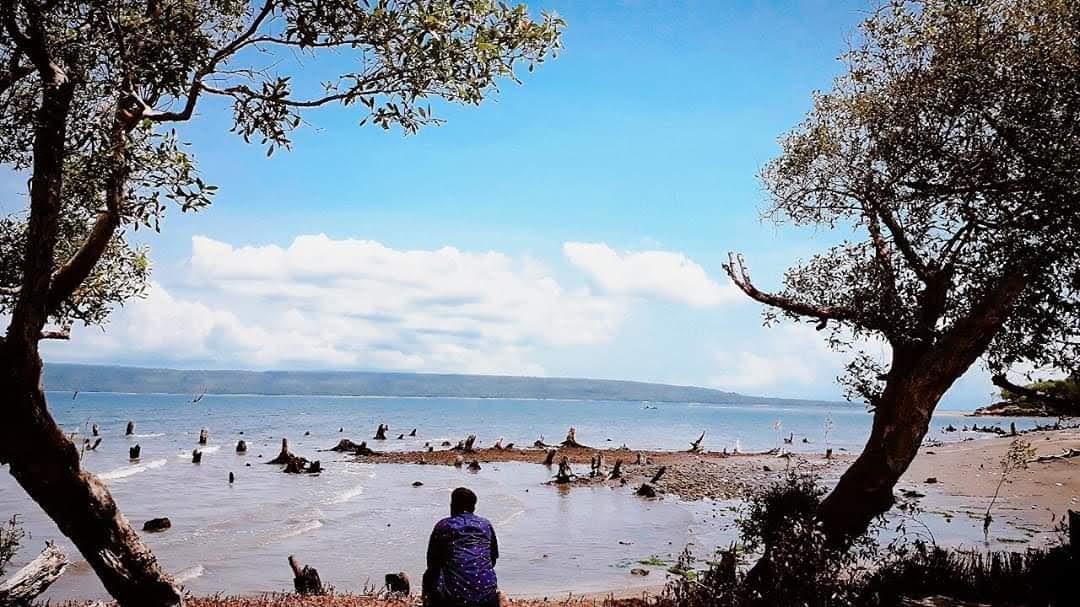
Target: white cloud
785	361
660	274
331	303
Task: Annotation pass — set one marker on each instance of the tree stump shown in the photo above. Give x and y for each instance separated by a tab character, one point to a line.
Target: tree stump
94	446
284	456
401	436
695	447
828	453
656	477
305	578
571	440
616	470
232	478
467	444
134	452
380	432
646	490
459	461
565	473
498	444
196	456
241	446
94	430
204	436
641	459
550	458
156	525
398	583
413	433
474	466
33	579
130	429
540	444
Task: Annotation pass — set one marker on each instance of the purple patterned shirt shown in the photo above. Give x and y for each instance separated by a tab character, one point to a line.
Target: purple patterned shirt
461	558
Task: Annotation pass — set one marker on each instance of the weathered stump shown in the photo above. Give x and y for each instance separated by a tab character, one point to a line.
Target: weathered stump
92	446
413	433
467	444
540	444
241	446
656	477
284	456
641	459
196	456
646	490
616	470
695	446
305	578
155	525
398	583
33	579
498	444
401	436
459	461
565	473
130	429
94	430
571	439
204	436
549	459
232	478
314	467
474	466
380	432
828	453
134	451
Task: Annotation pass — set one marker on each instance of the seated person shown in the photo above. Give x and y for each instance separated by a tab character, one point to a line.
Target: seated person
461	558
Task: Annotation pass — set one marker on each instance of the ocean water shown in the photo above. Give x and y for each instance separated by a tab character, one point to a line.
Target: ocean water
357	522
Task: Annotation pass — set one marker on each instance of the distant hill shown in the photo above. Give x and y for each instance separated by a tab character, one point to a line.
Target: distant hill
100	378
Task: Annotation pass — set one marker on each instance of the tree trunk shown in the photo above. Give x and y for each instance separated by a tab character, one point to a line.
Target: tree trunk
46	464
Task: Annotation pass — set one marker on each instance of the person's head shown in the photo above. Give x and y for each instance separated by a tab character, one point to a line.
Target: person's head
462	500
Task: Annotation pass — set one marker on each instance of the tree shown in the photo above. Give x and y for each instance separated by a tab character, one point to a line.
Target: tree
947	157
88	93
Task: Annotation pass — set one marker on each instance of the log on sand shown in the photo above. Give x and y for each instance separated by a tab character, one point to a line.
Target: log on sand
35	577
305	578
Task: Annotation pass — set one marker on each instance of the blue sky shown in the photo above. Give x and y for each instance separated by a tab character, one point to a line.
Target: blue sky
571	226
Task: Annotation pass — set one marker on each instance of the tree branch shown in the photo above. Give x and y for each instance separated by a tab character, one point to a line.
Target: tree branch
1001	381
197	86
736	270
900	237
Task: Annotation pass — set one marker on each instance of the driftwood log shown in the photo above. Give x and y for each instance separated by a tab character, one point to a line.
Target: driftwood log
92	446
695	447
347	446
380	432
204	436
305	578
130	429
33	579
540	444
1065	454
398	583
134	451
241	446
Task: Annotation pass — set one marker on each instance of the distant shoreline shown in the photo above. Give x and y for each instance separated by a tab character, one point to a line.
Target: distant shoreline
63	377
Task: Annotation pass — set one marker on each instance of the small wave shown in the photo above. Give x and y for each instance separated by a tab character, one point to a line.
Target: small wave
149	435
205	451
346	495
189	574
127	471
300	529
513	516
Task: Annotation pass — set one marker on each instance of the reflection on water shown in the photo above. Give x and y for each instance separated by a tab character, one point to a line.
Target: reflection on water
357	522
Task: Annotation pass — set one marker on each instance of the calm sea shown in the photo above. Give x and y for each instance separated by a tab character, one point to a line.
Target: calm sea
357	522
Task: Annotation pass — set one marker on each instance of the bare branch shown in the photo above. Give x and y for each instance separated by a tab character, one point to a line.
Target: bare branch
900	237
736	269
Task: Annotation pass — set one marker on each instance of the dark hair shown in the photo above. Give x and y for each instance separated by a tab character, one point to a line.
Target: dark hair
462	500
